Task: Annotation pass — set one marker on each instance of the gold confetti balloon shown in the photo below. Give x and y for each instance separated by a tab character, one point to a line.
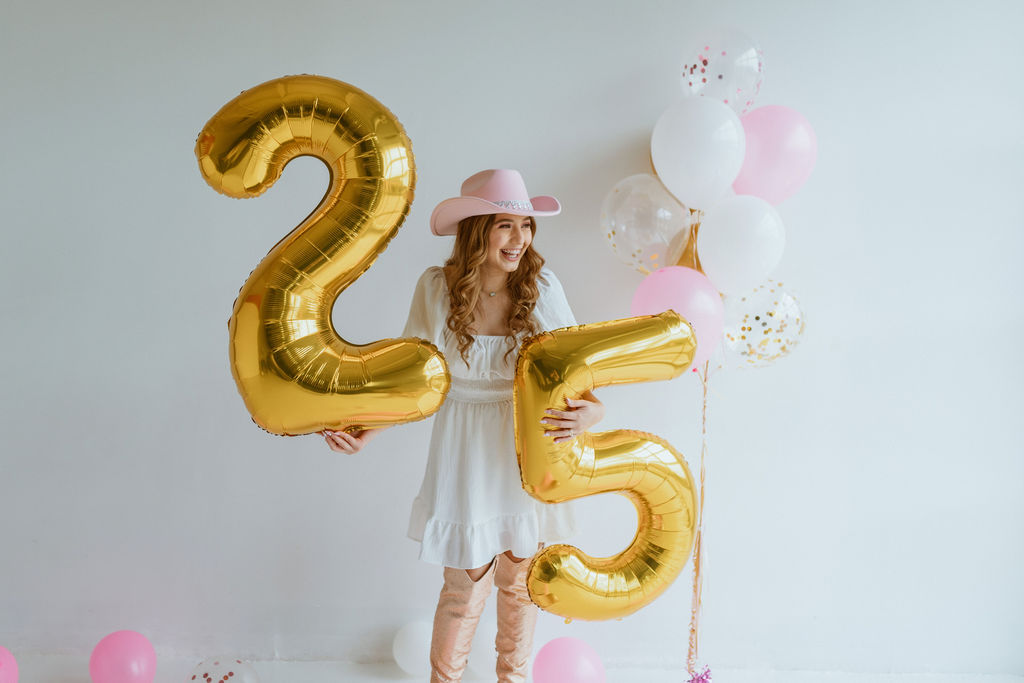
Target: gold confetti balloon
643	467
294	371
645	225
761	326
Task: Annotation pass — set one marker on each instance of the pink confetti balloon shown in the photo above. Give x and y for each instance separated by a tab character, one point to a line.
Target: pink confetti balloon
8	667
123	657
691	295
725	65
567	660
780	154
223	670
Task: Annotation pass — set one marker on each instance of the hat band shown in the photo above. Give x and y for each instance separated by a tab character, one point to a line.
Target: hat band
515	204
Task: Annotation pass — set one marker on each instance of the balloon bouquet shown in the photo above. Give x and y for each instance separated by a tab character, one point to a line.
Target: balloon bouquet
721	167
705	230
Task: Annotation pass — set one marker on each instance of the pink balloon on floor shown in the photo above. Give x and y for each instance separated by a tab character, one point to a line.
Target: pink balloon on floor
567	660
687	292
123	657
8	667
780	153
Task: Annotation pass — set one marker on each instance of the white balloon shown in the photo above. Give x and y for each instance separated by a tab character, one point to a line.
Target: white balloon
411	648
740	242
697	150
223	670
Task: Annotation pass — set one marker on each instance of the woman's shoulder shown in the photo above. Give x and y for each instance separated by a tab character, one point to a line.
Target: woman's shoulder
552	308
431	288
547	280
432	278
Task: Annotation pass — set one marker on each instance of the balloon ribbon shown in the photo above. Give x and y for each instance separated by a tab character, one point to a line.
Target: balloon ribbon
698	548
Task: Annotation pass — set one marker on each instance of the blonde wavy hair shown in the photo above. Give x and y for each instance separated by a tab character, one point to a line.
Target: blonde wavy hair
468	255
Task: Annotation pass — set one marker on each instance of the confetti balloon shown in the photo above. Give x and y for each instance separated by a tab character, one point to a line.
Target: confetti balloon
223	670
646	226
761	326
727	66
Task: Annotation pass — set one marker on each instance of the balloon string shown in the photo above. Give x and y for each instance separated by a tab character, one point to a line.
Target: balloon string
698	550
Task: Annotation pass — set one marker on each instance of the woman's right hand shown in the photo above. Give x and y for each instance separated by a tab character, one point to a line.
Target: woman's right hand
349	442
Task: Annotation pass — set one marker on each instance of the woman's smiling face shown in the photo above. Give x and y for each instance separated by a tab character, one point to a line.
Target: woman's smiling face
509	239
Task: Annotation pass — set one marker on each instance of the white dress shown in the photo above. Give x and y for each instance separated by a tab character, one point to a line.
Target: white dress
471	505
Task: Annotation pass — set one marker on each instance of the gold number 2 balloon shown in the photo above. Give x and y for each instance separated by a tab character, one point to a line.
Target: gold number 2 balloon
646	469
295	373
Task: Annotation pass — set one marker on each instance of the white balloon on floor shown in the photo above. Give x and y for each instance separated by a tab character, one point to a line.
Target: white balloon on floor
411	648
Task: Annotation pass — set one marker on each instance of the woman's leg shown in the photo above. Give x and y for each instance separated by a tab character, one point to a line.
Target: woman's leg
517	616
459	606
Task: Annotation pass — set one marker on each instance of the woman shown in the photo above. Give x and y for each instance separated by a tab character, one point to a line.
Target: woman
472	515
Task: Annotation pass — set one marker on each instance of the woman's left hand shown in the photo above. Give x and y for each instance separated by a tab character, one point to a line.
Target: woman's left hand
583	414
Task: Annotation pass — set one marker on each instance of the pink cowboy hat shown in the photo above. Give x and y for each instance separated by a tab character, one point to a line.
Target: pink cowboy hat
499	190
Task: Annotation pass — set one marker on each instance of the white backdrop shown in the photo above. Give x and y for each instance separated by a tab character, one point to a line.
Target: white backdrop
865	494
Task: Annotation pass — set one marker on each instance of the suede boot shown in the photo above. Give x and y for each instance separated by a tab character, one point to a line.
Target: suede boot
517	616
458	611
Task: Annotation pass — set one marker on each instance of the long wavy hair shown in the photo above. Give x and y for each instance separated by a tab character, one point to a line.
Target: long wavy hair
468	255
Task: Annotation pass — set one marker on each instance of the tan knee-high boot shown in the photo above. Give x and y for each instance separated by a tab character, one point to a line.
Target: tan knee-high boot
517	616
458	611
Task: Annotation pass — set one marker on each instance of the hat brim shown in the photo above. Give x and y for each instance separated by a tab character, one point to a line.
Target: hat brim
447	214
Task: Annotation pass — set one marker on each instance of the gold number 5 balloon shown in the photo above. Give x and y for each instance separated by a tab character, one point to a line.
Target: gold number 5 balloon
642	467
295	373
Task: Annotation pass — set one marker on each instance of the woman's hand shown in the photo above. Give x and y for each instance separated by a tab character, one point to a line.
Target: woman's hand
583	414
349	442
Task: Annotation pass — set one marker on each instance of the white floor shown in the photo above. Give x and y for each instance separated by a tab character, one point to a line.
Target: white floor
66	669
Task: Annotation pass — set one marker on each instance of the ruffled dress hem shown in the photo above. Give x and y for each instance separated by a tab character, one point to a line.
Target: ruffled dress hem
468	546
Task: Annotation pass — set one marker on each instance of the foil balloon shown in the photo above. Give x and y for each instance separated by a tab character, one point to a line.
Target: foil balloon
646	469
294	371
761	326
690	258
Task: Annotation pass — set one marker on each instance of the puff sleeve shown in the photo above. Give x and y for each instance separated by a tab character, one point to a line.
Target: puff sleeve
428	310
552	306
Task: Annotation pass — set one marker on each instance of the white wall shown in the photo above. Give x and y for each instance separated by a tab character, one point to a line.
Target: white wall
865	496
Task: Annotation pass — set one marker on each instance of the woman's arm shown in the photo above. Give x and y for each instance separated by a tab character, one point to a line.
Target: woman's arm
351	442
583	413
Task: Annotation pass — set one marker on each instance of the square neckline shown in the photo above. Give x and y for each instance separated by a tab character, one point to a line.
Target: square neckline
448	292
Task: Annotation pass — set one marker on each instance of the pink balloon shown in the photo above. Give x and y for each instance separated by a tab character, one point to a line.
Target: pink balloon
687	292
781	151
123	657
8	667
567	660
